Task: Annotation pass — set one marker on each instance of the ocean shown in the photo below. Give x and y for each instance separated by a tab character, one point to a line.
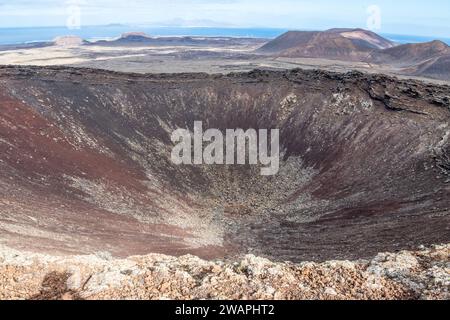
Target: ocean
26	35
92	33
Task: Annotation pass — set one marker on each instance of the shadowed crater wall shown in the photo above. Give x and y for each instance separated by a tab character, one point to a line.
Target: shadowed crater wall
85	164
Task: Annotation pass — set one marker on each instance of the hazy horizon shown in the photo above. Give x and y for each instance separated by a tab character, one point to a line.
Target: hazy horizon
137	26
22	35
399	18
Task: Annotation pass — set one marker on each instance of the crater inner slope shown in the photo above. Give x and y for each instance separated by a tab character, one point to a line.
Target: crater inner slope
85	164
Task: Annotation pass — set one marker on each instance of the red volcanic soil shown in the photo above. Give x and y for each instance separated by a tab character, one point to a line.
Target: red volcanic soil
85	164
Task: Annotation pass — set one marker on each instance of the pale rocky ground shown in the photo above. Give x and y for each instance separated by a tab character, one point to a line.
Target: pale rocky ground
180	59
422	274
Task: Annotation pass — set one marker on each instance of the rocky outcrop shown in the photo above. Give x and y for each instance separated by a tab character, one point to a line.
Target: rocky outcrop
423	274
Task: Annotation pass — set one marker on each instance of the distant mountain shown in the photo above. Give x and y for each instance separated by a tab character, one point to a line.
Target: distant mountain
288	40
429	59
411	53
133	37
438	68
341	44
143	39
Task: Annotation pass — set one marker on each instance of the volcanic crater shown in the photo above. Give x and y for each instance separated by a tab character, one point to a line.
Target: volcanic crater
85	164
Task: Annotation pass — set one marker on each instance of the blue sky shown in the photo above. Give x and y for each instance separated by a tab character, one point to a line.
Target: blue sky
416	17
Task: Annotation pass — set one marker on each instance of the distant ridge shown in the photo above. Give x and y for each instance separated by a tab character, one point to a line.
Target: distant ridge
429	59
437	69
134	36
406	54
143	39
